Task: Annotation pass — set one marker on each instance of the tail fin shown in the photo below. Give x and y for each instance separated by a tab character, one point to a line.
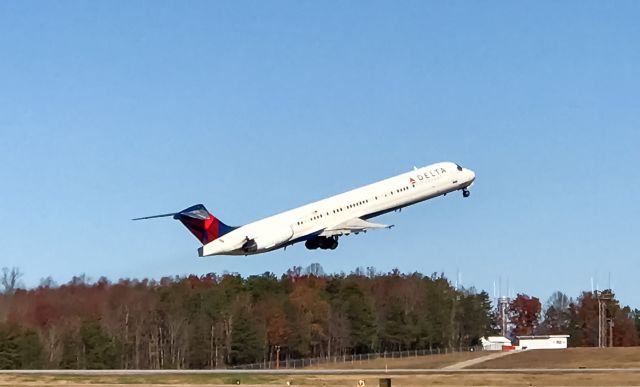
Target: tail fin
202	224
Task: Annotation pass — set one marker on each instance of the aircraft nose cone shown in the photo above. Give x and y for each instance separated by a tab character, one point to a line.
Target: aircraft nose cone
470	175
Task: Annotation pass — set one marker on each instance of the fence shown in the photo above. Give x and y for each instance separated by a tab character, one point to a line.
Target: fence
352	358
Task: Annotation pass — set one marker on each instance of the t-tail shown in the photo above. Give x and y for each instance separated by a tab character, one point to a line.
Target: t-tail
202	224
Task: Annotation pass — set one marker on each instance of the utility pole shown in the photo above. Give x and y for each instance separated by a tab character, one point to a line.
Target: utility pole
610	322
597	294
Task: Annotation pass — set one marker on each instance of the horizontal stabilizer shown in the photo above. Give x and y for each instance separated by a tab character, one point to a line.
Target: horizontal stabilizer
355	225
196	212
154	216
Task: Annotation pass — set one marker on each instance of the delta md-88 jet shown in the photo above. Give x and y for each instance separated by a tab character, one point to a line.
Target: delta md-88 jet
319	224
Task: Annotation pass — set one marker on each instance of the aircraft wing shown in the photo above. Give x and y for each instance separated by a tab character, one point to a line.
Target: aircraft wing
355	225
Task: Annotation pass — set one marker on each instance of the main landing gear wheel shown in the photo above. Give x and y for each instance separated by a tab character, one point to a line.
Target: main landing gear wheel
334	244
323	243
466	193
311	244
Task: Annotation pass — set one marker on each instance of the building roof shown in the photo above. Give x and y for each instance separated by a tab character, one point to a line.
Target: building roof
498	339
543	337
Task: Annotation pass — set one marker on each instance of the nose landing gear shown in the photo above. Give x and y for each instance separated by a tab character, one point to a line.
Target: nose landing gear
466	193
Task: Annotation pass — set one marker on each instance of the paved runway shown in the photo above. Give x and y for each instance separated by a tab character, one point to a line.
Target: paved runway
478	360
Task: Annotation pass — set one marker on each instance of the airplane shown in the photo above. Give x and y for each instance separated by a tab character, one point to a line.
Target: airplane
320	224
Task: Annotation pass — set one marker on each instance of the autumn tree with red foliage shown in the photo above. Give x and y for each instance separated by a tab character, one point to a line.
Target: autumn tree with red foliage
524	314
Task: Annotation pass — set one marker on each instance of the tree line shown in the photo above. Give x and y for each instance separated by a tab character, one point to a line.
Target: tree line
217	321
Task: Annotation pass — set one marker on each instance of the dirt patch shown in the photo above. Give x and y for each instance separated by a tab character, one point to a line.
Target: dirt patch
522	379
628	357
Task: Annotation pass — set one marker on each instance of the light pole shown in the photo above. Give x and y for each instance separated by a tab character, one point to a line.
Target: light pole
277	357
599	298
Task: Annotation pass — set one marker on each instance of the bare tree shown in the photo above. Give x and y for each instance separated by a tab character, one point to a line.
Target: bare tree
47	283
10	279
559	301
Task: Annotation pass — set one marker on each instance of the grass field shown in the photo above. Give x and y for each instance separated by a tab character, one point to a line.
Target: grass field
569	358
432	361
574	358
520	379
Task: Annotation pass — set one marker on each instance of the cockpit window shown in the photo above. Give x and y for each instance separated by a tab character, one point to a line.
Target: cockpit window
459	167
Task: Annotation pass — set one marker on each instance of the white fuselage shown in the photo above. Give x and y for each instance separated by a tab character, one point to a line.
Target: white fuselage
365	202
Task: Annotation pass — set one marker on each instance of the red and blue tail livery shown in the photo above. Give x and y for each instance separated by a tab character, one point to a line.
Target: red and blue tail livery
202	224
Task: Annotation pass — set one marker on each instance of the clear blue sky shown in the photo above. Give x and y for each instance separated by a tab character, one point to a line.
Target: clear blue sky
112	110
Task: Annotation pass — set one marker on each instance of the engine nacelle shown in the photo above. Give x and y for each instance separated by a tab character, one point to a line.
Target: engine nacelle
250	246
268	240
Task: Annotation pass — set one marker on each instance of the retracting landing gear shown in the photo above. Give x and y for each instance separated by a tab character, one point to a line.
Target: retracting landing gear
466	193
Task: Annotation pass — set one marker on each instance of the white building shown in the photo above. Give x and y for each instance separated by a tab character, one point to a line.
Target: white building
543	342
494	343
